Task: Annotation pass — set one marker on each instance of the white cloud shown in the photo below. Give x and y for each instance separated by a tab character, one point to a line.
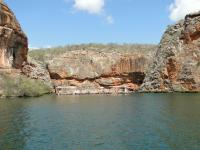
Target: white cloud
90	6
179	8
95	7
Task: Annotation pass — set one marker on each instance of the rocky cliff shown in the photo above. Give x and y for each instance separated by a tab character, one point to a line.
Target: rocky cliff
18	77
13	41
177	61
96	69
99	71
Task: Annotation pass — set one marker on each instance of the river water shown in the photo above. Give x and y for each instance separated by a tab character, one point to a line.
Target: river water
96	122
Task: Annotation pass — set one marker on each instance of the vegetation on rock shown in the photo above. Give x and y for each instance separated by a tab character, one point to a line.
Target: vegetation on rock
46	54
19	85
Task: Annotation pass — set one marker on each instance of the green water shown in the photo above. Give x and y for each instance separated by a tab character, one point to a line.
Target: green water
132	122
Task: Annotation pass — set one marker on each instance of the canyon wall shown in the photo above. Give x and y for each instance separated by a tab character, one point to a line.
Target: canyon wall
18	77
13	41
176	66
172	66
87	71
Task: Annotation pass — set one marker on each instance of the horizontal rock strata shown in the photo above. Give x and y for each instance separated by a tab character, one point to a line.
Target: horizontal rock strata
97	72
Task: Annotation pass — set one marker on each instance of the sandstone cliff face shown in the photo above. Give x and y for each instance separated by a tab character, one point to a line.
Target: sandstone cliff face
13	42
177	61
18	77
86	71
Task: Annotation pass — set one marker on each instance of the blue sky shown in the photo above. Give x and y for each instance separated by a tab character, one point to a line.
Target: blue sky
62	22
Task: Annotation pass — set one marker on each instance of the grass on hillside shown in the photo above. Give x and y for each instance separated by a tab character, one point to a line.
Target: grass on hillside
43	55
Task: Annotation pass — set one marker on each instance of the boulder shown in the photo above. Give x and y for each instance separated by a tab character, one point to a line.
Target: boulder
36	70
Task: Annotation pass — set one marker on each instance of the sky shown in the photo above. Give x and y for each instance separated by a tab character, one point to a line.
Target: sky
49	23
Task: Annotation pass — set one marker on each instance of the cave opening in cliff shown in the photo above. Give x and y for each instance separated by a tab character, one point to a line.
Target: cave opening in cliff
137	77
16	57
13	51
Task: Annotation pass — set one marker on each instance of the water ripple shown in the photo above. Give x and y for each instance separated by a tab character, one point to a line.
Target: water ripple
132	122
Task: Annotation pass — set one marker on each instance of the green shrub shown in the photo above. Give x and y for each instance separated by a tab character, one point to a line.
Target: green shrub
22	86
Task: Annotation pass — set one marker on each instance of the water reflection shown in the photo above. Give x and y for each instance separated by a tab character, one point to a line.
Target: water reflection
138	121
